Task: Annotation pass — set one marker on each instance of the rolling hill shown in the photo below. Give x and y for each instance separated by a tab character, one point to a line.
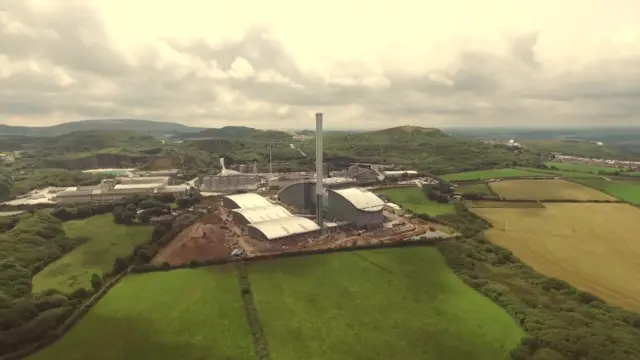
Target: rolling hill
145	126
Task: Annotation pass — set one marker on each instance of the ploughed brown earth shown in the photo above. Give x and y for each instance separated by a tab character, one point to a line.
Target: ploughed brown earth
207	239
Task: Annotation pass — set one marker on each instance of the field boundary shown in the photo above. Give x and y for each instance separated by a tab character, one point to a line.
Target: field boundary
68	324
620	200
260	344
141	269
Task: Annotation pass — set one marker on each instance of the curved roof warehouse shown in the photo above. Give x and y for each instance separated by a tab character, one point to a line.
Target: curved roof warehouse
244	201
282	228
259	214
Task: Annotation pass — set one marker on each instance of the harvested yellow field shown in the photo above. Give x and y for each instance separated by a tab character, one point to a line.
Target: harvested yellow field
594	247
553	189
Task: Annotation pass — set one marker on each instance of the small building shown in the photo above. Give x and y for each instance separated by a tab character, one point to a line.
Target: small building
245	216
282	228
360	207
400	174
243	201
154	173
127	180
393	208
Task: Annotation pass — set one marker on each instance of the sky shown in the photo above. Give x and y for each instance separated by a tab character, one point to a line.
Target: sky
365	65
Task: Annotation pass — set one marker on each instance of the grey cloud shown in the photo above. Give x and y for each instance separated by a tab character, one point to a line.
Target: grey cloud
479	88
72	37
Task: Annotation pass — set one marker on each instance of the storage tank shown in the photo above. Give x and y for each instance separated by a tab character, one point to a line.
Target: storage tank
243	168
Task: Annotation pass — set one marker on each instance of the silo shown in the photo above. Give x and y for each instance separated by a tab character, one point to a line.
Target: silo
243	168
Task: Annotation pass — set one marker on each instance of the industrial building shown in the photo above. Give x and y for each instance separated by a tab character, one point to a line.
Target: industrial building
245	216
109	191
399	174
127	180
360	207
303	194
266	221
245	201
230	181
282	228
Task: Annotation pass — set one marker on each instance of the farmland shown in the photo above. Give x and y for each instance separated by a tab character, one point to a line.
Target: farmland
552	189
183	314
491	174
379	304
479	188
623	190
414	199
106	241
594	247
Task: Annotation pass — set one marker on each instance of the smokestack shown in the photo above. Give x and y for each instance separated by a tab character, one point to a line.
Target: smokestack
319	171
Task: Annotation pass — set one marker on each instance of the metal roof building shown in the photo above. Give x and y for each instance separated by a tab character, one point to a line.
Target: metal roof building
254	215
303	194
362	208
400	173
282	228
242	201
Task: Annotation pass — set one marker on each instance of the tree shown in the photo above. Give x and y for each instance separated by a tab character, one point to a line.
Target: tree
144	217
158	232
127	217
96	282
183	202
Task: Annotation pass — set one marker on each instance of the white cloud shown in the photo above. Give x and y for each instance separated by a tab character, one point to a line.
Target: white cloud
364	64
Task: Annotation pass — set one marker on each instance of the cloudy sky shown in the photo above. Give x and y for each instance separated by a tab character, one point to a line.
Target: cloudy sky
272	64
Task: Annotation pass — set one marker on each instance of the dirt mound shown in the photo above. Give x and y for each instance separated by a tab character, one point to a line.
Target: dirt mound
204	240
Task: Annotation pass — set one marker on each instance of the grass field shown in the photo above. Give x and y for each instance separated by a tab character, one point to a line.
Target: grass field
594	247
379	304
594	169
481	188
414	199
553	189
107	241
505	204
623	190
581	167
490	174
189	314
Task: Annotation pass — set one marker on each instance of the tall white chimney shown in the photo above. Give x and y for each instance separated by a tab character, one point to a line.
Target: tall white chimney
319	171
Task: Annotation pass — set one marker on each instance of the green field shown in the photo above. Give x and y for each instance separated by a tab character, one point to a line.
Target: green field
379	304
414	199
480	188
581	167
107	241
189	314
623	190
566	173
490	174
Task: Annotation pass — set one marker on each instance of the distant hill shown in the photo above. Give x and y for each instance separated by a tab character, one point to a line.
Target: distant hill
422	148
236	132
142	126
